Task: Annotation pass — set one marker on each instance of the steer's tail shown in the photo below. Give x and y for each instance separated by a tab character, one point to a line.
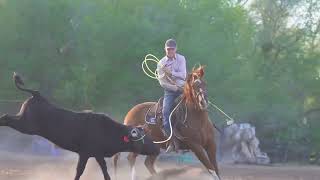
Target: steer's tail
115	164
19	83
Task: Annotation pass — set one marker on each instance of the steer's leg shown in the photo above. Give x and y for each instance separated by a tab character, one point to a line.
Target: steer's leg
103	166
82	162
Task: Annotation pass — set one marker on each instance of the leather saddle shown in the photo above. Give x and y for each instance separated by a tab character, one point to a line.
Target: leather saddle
153	117
154	114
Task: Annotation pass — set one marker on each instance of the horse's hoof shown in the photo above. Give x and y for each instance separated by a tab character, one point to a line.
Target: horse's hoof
214	175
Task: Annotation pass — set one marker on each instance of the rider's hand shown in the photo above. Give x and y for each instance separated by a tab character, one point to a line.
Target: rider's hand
167	71
180	89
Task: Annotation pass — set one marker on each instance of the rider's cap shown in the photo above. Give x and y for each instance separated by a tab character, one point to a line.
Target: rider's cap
170	43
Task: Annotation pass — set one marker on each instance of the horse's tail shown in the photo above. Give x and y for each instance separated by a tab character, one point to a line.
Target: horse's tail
115	163
19	83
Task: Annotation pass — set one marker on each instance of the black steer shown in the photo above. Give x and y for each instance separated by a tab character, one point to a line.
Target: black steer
88	134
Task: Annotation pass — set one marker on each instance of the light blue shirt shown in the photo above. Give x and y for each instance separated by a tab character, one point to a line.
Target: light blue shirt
178	69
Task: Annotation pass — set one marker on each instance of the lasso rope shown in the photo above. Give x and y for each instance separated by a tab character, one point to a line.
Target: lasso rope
230	119
146	69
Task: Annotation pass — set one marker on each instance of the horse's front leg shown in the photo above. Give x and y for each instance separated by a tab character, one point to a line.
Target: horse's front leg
211	150
201	155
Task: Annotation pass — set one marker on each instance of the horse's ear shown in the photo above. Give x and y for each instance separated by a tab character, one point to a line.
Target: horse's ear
201	71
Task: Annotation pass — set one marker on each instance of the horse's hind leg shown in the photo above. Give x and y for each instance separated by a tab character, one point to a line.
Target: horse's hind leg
200	153
149	163
211	151
115	164
132	160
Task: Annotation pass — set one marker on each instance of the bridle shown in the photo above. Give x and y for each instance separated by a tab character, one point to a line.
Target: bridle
200	92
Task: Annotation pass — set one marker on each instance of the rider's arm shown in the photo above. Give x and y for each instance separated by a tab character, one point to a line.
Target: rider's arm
162	78
181	73
168	86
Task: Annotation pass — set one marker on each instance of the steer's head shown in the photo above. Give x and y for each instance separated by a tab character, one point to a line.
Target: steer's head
27	119
142	143
4	120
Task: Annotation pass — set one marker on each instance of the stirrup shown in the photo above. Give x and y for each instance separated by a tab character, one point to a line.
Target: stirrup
170	148
164	132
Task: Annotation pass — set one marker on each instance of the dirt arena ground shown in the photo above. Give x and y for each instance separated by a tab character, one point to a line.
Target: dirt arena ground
15	166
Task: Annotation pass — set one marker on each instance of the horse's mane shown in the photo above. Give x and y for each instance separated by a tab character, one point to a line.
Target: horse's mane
187	90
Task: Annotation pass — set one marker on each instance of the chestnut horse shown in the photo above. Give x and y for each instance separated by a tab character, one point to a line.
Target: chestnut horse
197	132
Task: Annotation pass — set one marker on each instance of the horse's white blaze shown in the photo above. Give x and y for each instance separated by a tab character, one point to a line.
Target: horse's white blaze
202	102
214	174
133	173
197	81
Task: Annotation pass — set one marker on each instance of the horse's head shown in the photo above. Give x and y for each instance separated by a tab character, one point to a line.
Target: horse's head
141	142
195	90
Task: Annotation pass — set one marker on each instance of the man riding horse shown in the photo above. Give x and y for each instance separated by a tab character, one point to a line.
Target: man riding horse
190	119
172	73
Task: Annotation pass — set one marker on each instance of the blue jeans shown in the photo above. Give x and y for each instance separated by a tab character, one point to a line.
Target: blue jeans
168	105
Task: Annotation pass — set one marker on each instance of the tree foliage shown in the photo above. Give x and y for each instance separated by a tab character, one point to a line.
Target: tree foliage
262	59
